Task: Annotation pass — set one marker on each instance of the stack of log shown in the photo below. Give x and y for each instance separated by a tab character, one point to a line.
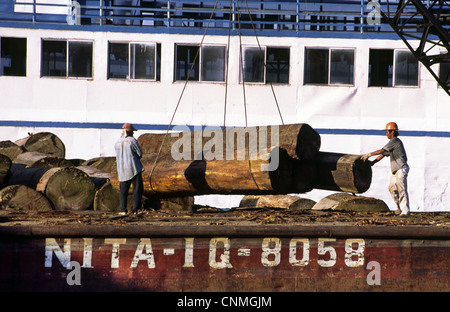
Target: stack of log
34	175
34	169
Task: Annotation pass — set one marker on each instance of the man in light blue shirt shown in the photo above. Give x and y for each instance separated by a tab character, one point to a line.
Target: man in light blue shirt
129	168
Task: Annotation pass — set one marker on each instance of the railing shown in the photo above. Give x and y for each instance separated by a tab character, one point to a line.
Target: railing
261	15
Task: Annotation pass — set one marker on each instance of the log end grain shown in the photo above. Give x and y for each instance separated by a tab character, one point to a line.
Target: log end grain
67	188
107	198
44	142
21	197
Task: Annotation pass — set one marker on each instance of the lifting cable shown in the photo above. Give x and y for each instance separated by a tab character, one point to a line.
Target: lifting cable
226	77
181	95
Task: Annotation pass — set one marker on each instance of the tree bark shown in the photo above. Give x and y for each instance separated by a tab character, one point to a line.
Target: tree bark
43	142
22	197
349	202
298	140
66	188
178	178
342	172
276	201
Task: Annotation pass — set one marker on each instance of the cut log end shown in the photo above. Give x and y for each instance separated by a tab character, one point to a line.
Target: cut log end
67	188
21	197
43	142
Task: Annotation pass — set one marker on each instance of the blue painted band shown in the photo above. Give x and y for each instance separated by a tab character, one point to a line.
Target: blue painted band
110	125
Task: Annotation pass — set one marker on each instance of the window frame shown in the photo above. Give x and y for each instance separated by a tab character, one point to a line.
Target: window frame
67	56
200	62
329	66
156	46
25	55
394	84
265	49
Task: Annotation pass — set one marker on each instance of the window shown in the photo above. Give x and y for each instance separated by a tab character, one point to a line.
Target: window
13	60
277	63
388	68
213	63
134	61
265	65
325	66
406	69
66	58
208	65
253	64
187	62
381	68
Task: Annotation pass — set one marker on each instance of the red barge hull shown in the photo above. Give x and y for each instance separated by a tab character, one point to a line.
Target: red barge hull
224	258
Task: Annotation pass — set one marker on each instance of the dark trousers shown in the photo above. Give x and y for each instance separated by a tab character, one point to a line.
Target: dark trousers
138	189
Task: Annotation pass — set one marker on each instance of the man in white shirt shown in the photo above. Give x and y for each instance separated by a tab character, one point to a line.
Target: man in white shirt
129	168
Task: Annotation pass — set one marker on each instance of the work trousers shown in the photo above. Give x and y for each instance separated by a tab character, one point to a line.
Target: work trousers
398	188
138	189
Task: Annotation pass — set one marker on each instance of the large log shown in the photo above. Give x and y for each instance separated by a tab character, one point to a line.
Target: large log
104	163
276	201
67	188
5	166
22	197
10	149
37	159
43	142
178	178
349	202
298	140
342	172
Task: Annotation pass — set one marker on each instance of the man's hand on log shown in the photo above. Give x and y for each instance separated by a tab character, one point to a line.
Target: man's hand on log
365	157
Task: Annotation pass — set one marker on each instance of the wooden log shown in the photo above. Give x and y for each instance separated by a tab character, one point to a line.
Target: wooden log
177	203
5	169
341	172
276	201
178	178
22	197
104	163
349	202
10	149
43	142
107	198
98	177
298	140
40	160
67	188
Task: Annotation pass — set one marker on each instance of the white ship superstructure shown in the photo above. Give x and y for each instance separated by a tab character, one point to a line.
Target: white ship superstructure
81	69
